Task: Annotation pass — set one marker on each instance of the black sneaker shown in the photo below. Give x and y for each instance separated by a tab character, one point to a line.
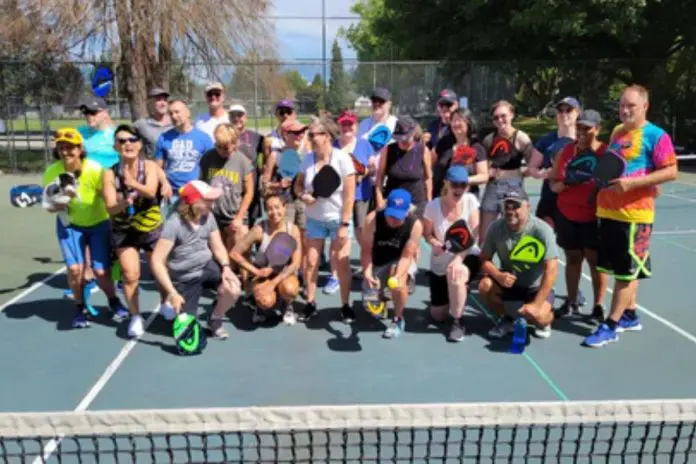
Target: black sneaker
456	331
347	314
310	310
568	308
597	315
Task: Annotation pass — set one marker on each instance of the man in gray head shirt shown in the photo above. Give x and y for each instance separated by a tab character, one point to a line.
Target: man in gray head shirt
157	122
523	285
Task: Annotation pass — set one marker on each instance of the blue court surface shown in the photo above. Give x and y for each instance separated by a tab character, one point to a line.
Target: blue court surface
48	367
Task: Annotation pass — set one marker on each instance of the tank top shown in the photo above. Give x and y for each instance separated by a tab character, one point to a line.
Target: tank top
146	215
405	170
389	242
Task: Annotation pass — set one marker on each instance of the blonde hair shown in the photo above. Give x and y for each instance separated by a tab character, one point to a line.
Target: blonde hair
189	212
446	188
225	134
500	103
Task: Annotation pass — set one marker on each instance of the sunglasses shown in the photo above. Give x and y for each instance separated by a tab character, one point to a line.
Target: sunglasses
236	114
564	109
445	105
377	102
90	112
213	93
311	135
296	133
458	185
512	204
133	139
499	117
284	112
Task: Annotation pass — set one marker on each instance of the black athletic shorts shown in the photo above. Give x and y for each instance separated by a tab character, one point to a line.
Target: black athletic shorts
571	235
131	238
191	290
439	294
623	249
547	209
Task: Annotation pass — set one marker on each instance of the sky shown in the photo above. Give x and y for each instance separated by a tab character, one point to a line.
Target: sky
299	39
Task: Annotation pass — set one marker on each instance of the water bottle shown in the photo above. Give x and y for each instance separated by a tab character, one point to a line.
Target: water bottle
519	336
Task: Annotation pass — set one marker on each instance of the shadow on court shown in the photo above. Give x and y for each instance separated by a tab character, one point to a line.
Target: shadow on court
60	312
34	278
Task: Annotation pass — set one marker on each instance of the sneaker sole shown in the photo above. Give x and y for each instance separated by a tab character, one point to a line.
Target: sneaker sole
604	343
636	328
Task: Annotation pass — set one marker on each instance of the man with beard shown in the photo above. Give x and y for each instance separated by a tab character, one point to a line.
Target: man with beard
514	291
158	121
252	145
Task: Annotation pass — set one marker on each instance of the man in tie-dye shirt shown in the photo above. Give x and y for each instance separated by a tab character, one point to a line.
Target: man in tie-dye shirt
626	210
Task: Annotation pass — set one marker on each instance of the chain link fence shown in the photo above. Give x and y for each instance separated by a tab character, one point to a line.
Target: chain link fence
36	99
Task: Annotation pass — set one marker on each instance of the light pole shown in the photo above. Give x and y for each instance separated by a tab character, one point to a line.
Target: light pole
323	45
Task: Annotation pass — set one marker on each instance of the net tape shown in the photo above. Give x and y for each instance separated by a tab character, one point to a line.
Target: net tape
393	416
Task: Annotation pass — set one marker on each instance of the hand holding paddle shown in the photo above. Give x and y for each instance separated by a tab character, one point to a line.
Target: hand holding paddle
609	169
176	301
280	250
580	169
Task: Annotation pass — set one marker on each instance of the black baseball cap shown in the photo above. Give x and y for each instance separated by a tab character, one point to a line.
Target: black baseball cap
93	104
380	93
589	118
128	128
517	194
447	96
157	92
404	129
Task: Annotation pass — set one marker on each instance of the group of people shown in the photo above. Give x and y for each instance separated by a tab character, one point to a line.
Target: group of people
204	198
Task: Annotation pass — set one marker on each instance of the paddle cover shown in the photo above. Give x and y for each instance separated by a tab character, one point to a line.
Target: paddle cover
500	152
610	166
189	336
326	182
458	237
280	250
580	169
289	164
379	137
24	196
529	251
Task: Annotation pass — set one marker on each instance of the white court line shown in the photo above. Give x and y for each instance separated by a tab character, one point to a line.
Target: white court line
679	197
98	386
27	291
674	232
689	336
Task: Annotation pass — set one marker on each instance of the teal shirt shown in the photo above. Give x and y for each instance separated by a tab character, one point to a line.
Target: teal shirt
99	145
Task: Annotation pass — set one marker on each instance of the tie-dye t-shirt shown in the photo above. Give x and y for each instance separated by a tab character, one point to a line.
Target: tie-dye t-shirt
645	149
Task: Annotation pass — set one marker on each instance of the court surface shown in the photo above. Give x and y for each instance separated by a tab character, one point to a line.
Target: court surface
48	367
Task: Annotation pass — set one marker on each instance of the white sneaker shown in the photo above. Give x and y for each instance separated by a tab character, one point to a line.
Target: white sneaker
136	327
167	311
502	329
542	332
289	318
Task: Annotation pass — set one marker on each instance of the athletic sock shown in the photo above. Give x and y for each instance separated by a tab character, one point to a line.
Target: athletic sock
611	323
630	314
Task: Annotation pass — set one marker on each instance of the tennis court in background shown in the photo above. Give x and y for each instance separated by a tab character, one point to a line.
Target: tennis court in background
48	367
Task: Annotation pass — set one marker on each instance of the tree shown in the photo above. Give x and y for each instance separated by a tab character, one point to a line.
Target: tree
144	37
338	95
295	81
311	99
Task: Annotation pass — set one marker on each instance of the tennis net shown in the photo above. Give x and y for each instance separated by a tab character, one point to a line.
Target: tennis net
630	431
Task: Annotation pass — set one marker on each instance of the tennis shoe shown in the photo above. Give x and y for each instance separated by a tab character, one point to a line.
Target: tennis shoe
218	329
542	332
310	310
602	336
167	311
395	329
457	332
502	329
136	328
120	312
80	320
332	286
347	314
629	325
289	316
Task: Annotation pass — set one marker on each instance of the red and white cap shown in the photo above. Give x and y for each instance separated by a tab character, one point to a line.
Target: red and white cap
198	190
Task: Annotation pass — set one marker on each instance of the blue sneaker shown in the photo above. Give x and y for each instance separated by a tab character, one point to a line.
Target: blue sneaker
120	312
395	328
80	321
332	286
602	336
628	325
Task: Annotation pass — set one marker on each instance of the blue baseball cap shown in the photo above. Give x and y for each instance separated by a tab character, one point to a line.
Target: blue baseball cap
398	204
458	174
570	101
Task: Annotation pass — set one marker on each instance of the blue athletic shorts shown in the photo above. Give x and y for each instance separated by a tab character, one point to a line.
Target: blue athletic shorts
74	241
322	230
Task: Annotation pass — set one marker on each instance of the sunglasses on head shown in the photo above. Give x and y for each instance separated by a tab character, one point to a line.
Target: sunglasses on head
311	135
66	135
131	139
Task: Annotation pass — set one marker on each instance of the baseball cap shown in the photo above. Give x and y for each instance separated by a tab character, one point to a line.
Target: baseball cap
347	117
404	129
447	96
380	93
93	104
589	118
214	86
157	92
458	174
293	125
69	135
285	104
570	101
398	204
127	128
516	193
197	190
237	108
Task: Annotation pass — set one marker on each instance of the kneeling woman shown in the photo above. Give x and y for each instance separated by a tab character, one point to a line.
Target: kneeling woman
269	284
449	273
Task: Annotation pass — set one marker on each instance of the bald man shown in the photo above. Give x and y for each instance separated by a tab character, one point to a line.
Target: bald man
626	210
179	150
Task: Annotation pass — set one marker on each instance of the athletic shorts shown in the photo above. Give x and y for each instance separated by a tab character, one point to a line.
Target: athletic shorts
547	209
571	235
623	249
74	240
495	190
361	209
420	209
191	290
513	298
382	273
439	292
321	230
131	238
295	213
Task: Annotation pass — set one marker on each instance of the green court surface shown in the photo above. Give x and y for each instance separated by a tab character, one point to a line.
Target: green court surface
49	367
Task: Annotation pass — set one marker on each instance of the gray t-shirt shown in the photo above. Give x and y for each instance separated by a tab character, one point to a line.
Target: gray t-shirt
191	251
227	174
150	131
501	241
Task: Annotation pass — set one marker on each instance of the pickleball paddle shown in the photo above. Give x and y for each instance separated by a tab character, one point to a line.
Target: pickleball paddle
580	169
374	304
458	237
189	336
464	154
529	252
280	249
610	166
379	137
326	182
500	152
360	169
289	163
